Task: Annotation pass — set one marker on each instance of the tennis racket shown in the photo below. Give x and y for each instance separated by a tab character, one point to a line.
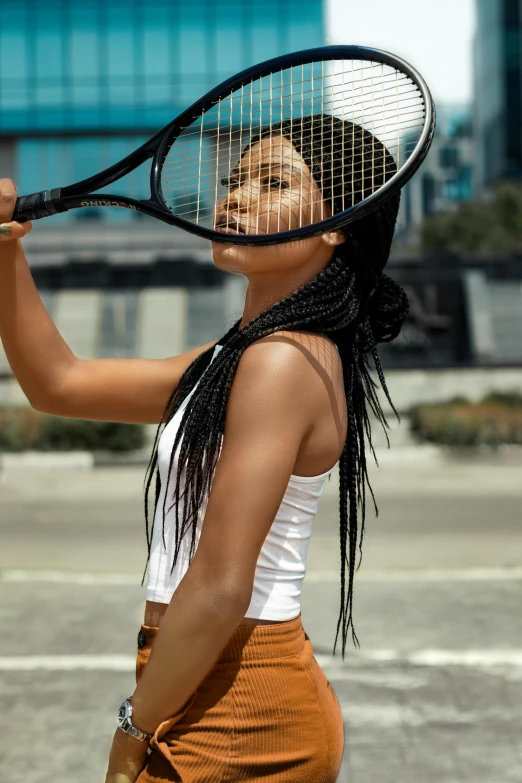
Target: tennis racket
294	147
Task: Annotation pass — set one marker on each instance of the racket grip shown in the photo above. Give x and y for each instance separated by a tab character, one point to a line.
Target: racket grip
38	205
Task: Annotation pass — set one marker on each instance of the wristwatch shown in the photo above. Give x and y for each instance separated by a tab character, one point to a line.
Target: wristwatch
125	723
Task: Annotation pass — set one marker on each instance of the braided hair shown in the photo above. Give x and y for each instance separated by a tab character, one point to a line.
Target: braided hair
351	301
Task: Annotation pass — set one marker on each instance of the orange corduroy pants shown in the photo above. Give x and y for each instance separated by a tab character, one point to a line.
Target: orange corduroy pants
265	713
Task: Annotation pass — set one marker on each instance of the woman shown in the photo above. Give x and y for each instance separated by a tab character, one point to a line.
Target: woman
228	688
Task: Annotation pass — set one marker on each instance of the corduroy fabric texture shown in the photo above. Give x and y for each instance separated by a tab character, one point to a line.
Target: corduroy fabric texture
265	712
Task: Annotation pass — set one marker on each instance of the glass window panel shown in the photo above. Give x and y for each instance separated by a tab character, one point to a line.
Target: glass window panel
121	94
49	54
88	158
230	38
13	53
136	183
85	95
157	42
120	44
302	35
60	163
30	155
84	59
50	39
119	319
15	97
193	42
13	41
265	38
157	91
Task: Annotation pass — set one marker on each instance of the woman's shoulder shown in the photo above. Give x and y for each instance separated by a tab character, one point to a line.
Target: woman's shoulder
310	344
313	358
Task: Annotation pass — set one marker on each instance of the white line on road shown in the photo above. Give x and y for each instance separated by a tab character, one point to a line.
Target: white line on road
67	663
126	663
504	573
68	577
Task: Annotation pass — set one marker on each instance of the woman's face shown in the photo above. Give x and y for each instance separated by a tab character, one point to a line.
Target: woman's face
271	190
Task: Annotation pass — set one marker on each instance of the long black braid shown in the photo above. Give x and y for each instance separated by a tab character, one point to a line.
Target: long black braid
351	300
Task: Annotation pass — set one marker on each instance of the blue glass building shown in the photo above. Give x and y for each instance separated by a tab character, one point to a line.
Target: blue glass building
84	82
498	91
446	178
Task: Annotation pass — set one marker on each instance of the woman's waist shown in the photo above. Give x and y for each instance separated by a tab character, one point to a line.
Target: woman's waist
154	611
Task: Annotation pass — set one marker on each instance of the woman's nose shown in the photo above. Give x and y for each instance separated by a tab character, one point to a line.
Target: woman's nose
241	198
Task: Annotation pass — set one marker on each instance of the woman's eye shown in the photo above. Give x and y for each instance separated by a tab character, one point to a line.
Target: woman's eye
276	182
229	182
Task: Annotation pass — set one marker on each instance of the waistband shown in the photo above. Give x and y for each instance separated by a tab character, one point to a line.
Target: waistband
248	643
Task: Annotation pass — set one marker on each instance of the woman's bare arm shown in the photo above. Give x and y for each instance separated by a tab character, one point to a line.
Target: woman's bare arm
38	355
52	377
126	390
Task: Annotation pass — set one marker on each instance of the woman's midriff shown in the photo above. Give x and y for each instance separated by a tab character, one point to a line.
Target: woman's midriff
154	611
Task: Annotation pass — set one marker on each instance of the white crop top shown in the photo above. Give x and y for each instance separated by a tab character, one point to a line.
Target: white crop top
281	565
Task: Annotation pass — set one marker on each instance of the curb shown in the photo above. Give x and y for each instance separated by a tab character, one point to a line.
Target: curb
29	460
88	460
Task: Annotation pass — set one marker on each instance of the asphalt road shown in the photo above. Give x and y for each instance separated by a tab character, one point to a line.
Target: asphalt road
433	695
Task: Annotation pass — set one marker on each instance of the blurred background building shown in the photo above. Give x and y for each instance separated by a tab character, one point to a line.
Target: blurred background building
497	68
467	308
446	176
82	84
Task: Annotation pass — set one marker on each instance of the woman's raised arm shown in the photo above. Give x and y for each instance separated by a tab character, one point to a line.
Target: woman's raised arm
51	376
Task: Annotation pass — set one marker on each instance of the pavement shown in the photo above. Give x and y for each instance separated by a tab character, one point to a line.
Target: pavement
433	694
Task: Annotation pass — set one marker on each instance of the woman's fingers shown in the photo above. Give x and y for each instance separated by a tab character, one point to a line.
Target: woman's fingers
14	230
8	196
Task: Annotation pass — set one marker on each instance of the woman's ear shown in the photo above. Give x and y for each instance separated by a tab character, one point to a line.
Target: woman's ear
333	238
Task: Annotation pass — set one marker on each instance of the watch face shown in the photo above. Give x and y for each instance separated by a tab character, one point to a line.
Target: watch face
123	713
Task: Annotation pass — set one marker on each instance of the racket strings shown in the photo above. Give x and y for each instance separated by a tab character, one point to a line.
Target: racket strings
343	128
394	79
408	105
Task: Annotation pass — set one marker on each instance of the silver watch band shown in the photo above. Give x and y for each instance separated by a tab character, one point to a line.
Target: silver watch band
125	723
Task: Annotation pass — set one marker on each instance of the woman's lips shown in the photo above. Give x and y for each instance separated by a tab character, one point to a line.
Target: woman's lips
228	230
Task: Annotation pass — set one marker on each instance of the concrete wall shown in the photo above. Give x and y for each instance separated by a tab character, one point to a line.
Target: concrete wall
406	387
174	320
409	387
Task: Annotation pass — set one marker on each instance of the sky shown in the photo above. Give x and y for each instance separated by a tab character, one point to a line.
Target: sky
435	37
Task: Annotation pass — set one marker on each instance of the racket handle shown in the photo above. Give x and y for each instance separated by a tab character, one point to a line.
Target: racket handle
38	205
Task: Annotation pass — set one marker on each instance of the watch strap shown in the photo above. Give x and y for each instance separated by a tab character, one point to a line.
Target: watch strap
126	725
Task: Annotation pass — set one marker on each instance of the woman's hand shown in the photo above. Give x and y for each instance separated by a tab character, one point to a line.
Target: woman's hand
127	758
8	196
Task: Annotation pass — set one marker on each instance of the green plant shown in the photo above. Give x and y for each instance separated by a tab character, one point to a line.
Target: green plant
479	227
511	399
26	429
495	420
19	429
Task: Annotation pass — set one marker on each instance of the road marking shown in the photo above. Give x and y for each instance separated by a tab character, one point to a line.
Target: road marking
487	659
68	577
505	573
493	574
67	663
436	658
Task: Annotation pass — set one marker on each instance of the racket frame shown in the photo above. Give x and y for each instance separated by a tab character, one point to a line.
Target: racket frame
49	202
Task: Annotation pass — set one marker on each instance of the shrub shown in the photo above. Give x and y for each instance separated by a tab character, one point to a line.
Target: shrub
26	429
495	420
19	429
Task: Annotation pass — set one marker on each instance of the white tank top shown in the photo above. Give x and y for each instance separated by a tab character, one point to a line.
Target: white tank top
281	565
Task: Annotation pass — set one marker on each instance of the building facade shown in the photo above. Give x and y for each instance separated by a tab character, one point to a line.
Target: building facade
446	178
82	84
498	91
